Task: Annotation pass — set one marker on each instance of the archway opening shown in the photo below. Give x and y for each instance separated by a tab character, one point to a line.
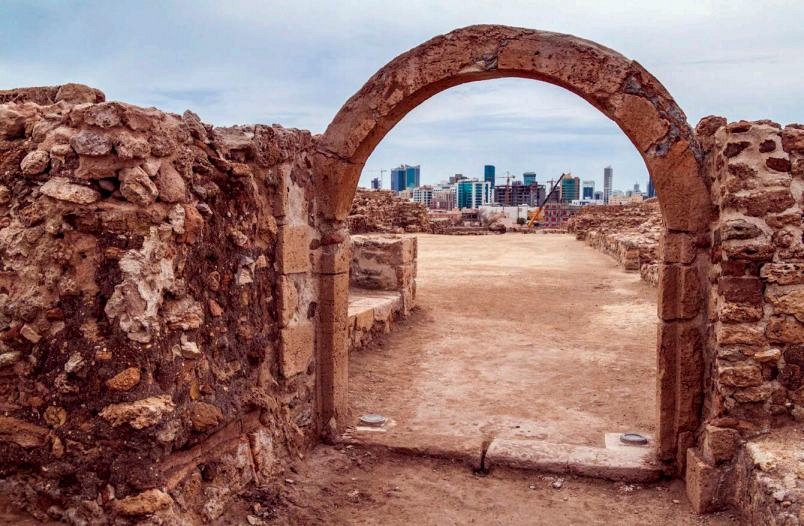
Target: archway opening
521	335
623	91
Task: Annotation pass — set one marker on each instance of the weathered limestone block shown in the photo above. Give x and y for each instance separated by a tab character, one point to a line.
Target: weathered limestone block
293	249
35	162
287	299
743	334
746	290
296	348
739	312
383	262
147	274
783	273
790	301
704	484
785	329
680	294
91	143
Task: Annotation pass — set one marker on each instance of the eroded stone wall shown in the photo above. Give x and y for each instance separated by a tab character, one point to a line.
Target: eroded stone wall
152	354
756	301
629	233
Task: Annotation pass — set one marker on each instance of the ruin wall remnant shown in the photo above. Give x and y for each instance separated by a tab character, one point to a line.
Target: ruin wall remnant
158	309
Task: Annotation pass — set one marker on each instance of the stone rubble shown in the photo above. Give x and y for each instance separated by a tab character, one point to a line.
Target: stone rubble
382	211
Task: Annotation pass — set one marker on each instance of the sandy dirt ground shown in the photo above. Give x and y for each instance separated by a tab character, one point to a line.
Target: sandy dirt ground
528	336
356	487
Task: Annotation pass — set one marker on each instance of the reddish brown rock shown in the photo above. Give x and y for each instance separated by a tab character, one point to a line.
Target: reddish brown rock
778	164
91	144
735	148
35	162
783	273
719	443
785	329
205	416
740	375
22	433
741	289
125	380
146	503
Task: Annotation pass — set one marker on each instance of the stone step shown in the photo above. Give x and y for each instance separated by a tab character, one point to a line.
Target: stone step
616	461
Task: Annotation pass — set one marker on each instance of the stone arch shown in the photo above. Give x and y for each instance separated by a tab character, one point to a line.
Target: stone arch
621	89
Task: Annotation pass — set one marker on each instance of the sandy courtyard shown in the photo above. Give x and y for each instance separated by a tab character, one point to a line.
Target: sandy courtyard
526	336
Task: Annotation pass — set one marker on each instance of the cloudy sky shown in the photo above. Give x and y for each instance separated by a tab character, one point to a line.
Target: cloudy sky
296	62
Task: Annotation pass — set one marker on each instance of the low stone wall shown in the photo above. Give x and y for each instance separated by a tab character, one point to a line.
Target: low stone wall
628	233
382	211
382	285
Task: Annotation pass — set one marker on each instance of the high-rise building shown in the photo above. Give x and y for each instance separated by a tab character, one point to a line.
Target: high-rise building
529	178
570	188
457	177
423	195
651	188
488	174
598	195
608	177
636	188
517	194
588	189
375	183
443	198
405	176
472	193
398	179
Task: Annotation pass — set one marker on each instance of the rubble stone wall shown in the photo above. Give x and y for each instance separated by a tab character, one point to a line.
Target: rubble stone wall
755	342
157	305
629	233
384	212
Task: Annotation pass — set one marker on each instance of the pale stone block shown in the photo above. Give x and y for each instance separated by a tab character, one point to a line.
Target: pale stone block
296	348
293	249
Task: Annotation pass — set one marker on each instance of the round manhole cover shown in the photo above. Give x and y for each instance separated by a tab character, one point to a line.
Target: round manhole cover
633	439
372	420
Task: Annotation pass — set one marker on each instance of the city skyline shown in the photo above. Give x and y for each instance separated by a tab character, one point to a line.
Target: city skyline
387	183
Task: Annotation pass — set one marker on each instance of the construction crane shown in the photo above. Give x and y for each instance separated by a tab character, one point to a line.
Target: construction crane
538	214
382	174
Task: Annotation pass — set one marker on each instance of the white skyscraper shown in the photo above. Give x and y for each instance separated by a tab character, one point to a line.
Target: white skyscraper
608	176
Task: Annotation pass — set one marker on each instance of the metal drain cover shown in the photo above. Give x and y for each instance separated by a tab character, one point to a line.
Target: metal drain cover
633	439
372	420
